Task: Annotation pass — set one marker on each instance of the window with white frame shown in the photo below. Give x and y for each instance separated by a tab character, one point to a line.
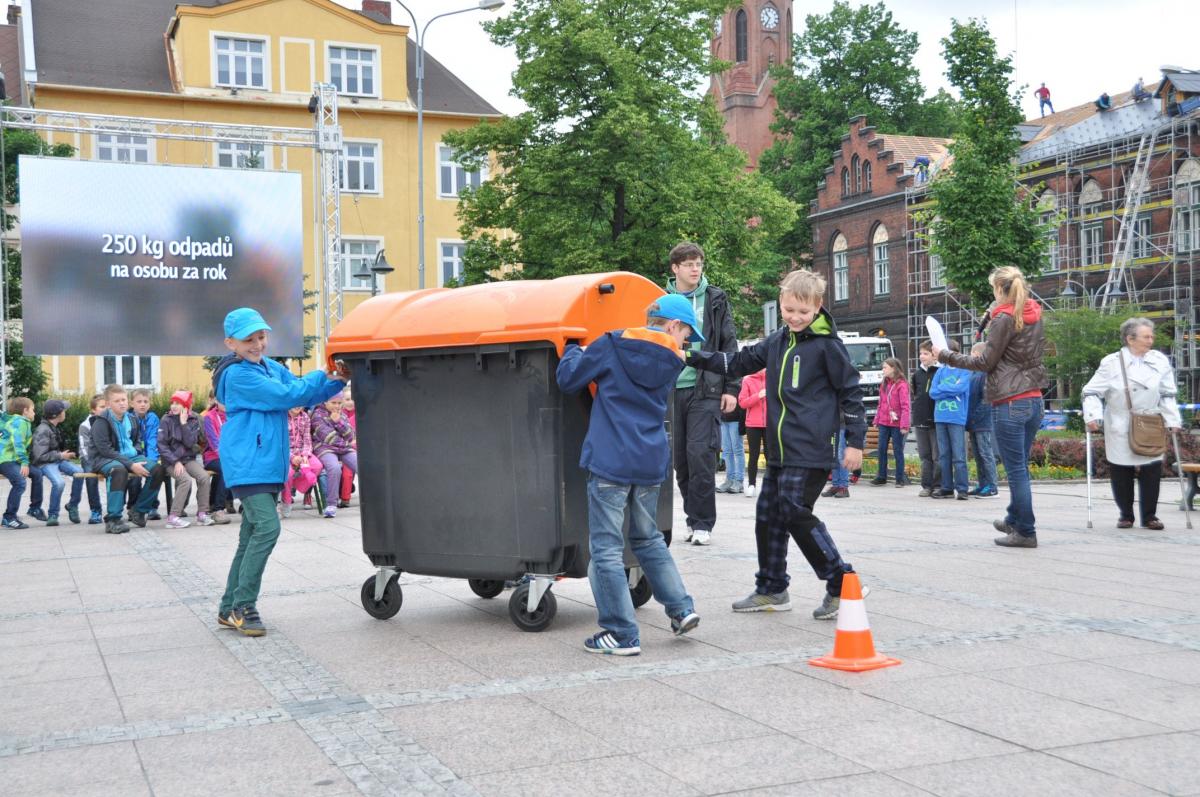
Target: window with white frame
879	250
241	63
450	263
1142	243
937	272
1092	243
453	178
1048	209
358	255
123	147
360	167
240	155
1187	200
353	70
130	370
841	269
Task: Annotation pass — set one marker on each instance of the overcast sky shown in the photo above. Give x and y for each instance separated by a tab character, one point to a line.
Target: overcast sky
1078	47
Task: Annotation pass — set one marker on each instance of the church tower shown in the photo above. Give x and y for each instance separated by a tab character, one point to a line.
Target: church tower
753	36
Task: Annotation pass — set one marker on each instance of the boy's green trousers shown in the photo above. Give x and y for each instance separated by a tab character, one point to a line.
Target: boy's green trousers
256	540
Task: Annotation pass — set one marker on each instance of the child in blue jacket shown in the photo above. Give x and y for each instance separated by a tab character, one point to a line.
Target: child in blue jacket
949	392
257	393
627	456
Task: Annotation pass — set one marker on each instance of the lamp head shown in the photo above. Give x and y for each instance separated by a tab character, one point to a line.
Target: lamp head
381	266
490	5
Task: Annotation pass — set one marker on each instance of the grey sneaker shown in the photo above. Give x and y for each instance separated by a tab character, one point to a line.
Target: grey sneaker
687	622
725	487
735	488
828	610
1004	527
1017	540
759	602
925	493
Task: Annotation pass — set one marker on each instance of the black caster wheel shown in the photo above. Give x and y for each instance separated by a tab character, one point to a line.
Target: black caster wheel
485	588
392	598
641	592
539	619
667	537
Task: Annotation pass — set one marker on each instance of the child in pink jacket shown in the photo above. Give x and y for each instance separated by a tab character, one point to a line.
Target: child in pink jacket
753	399
303	467
893	419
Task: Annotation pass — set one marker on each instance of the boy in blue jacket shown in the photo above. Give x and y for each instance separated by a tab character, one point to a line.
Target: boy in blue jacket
812	392
949	392
257	392
627	456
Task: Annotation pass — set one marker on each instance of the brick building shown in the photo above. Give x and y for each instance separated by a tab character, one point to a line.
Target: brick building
753	36
859	225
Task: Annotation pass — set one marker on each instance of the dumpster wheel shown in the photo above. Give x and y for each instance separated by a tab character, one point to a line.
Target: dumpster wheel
537	620
387	607
486	588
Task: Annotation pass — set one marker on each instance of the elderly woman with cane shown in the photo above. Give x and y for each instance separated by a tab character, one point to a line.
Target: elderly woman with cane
1134	381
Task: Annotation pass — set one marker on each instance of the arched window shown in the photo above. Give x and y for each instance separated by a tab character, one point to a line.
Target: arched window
866	175
1091	231
856	167
1047	208
1187	200
740	38
841	268
845	181
879	255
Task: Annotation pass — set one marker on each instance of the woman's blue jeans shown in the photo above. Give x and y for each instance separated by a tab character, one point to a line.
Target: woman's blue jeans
733	452
1016	424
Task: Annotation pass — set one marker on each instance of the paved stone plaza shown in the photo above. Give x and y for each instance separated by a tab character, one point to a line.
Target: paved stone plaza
1072	669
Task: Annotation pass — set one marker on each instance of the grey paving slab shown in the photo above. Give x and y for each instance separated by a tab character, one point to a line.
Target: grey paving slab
1165	762
104	769
870	784
1176	707
1182	666
620	776
1022	775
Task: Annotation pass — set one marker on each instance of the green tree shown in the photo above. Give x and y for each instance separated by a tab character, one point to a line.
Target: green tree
619	155
848	62
24	375
1080	337
983	217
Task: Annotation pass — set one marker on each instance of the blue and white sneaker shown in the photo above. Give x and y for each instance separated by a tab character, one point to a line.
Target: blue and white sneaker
681	625
605	642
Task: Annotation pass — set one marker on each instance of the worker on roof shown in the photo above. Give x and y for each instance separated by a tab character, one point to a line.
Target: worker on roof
1043	95
1103	102
1139	91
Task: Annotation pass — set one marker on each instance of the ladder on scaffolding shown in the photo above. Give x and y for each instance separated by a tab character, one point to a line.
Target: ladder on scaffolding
1123	245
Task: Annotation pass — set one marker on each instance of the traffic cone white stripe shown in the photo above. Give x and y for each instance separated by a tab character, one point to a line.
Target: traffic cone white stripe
852	616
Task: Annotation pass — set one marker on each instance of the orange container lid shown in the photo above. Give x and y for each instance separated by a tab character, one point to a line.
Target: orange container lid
579	307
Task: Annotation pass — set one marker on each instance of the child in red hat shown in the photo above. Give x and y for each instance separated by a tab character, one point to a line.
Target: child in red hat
178	446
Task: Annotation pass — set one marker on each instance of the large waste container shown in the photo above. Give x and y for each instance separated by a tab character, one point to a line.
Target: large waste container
468	452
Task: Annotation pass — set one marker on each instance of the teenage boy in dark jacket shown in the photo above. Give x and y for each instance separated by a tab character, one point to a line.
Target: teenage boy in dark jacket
47	454
627	458
922	420
812	391
701	398
116	437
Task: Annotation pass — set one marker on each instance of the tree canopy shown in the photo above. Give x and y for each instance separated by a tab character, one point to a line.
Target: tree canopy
983	217
619	156
850	61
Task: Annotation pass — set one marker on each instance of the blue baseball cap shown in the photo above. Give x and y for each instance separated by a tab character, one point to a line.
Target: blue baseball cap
674	307
244	322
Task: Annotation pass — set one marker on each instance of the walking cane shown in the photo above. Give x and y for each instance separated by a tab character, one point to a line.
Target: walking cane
1179	469
1087	433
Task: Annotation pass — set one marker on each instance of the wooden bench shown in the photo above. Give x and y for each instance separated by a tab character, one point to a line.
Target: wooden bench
1193	473
871	446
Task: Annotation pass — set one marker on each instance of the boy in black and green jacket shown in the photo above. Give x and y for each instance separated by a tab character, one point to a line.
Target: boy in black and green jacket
812	391
16	433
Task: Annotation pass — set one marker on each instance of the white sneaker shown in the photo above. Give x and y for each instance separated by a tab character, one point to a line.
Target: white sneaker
286	509
177	523
701	537
330	511
205	519
750	490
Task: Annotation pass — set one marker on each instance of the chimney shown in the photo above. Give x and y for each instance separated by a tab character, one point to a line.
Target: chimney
381	8
14	13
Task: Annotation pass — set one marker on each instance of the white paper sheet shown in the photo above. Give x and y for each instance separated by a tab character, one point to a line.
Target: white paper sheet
936	334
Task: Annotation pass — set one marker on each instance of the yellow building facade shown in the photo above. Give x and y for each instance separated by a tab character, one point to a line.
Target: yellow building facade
254	62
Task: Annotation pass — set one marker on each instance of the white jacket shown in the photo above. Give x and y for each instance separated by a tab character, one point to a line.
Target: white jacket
1152	387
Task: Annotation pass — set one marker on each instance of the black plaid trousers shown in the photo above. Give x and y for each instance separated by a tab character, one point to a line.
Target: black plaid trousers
785	510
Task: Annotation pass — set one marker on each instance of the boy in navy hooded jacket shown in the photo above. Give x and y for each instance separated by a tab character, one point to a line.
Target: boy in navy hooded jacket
627	456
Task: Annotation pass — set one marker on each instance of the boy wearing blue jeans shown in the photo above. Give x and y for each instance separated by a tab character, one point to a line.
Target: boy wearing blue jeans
16	431
48	455
949	392
628	457
257	393
812	391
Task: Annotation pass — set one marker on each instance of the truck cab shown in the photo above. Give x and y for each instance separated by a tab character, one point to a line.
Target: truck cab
867	354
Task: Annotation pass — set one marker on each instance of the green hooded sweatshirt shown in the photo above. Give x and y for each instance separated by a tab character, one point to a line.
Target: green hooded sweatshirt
687	378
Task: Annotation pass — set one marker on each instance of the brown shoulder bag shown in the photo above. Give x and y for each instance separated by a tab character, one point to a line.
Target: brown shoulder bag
1147	433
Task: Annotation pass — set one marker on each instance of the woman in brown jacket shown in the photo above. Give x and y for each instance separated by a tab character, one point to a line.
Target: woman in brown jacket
1013	360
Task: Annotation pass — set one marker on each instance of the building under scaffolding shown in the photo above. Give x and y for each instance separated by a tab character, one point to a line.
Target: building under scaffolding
1124	185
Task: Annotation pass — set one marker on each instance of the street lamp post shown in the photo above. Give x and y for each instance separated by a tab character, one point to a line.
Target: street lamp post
380	268
484	5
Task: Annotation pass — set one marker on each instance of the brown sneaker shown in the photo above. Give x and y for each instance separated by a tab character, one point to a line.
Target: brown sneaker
1017	540
219	518
841	492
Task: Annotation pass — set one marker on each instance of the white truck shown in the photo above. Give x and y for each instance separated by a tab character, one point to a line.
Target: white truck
868	354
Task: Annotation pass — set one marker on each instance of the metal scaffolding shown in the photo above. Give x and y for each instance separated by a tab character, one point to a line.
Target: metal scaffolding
324	140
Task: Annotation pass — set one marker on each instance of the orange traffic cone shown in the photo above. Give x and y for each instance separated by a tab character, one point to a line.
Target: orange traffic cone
853	648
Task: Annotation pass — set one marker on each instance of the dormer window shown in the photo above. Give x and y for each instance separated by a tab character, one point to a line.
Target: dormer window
354	70
240	63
